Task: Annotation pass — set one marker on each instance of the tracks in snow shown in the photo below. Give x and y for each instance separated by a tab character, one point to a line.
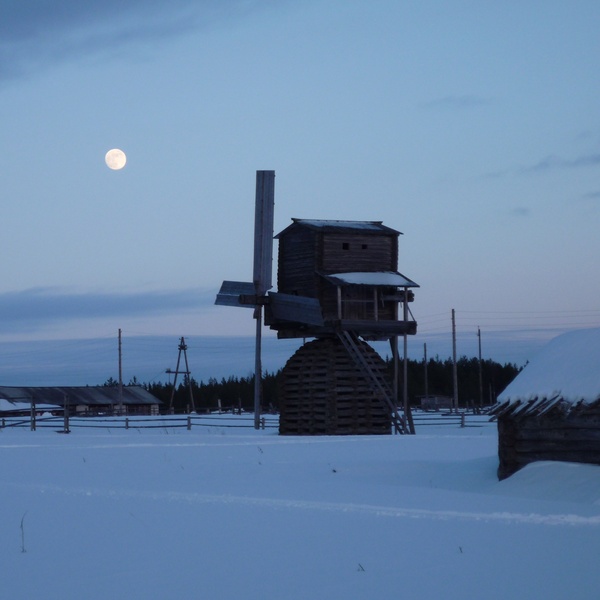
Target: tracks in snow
335	507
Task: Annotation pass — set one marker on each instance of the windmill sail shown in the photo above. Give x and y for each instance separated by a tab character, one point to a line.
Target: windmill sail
263	231
296	309
251	294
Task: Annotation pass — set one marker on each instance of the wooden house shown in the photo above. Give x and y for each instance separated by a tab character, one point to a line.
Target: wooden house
551	411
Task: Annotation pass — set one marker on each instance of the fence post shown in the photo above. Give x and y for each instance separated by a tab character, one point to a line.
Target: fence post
262	423
462	419
126	422
189	423
32	416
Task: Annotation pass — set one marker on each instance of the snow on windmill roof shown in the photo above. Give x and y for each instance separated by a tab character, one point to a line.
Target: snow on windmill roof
337	226
567	369
378	278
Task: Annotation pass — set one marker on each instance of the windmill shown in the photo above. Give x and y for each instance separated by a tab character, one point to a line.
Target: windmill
337	282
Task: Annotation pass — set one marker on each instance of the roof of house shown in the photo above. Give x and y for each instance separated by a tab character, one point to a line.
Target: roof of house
566	370
10	406
335	226
87	395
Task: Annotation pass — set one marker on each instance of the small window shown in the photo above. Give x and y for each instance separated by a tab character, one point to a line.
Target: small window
364	246
345	246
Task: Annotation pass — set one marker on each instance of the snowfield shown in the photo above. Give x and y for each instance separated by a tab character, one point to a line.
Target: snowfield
220	512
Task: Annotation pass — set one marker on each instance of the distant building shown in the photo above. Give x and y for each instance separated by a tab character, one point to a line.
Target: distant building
551	411
87	400
436	402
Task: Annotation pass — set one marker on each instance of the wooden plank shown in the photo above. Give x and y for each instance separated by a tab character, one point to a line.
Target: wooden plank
231	292
263	231
299	309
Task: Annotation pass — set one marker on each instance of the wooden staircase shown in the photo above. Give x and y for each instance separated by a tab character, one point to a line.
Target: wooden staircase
365	364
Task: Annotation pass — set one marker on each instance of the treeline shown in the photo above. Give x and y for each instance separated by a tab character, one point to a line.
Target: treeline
237	393
494	379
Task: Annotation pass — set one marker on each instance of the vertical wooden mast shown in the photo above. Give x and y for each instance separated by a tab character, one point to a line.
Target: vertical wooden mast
263	259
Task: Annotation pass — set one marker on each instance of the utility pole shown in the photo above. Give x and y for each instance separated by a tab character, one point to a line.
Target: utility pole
395	387
120	376
407	411
454	371
480	369
258	367
182	348
425	368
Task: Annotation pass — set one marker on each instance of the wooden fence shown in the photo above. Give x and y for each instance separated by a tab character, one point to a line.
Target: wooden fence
64	424
67	423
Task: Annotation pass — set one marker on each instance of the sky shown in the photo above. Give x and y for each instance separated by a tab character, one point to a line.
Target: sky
471	127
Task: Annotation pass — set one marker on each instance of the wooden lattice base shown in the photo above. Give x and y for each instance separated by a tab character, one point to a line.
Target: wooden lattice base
323	392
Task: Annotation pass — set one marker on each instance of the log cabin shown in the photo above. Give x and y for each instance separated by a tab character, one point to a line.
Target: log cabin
551	411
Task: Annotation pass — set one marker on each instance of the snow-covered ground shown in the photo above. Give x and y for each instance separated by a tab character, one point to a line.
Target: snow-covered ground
231	513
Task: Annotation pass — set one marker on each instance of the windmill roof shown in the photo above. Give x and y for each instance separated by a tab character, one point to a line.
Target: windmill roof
378	278
336	226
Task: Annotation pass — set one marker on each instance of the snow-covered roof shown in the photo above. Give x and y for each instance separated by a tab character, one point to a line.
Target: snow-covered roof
567	369
87	395
374	225
383	278
337	226
19	406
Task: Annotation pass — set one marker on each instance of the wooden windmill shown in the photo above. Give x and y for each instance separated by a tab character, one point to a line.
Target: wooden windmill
338	283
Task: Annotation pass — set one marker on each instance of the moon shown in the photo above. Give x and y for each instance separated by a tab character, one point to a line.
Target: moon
115	159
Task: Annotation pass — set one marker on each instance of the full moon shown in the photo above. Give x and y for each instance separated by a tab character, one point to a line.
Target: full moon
115	159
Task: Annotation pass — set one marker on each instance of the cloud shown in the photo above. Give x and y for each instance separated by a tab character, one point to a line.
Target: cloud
36	34
31	309
465	101
592	196
552	162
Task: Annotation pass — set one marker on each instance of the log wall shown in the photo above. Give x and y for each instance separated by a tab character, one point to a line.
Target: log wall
358	252
561	434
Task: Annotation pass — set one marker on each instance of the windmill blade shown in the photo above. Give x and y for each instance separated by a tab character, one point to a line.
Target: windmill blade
263	231
237	293
296	309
